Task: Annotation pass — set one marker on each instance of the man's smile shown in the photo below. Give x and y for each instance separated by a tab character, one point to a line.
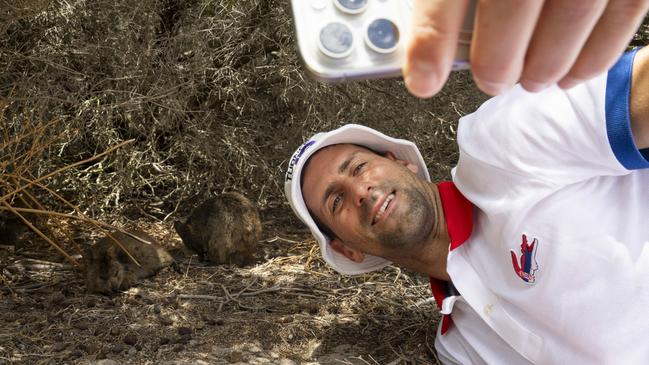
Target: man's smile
383	208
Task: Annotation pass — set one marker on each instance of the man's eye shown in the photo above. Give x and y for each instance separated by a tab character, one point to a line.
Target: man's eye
358	169
336	202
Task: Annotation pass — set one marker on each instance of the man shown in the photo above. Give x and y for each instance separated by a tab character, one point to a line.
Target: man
538	251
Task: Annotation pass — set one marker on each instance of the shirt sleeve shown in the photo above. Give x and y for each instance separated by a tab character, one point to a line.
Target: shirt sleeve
618	115
552	138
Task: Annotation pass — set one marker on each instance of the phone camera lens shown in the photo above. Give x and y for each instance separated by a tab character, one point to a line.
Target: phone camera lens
351	6
382	36
336	40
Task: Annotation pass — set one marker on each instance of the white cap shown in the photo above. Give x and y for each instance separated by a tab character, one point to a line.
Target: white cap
354	134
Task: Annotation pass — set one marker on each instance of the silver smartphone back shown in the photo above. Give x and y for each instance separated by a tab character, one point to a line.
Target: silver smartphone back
361	39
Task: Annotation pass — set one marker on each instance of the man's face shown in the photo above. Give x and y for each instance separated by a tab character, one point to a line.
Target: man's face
371	203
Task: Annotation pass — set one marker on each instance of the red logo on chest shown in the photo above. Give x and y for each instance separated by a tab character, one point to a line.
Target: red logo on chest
526	266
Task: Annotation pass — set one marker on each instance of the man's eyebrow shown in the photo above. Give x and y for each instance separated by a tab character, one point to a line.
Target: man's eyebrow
341	169
343	166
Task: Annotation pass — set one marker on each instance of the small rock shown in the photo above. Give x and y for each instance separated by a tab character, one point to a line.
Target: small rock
118	348
285	319
132	351
166	321
254	349
179	347
91	348
164	340
286	362
130	339
114	331
156	309
200	325
235	356
184	331
106	362
59	346
183	339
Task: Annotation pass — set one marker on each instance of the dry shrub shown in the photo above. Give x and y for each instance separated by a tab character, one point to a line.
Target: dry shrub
212	92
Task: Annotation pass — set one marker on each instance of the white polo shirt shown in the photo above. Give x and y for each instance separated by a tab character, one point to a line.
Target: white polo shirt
556	267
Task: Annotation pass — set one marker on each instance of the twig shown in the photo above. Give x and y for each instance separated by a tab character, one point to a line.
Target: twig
38	232
64	168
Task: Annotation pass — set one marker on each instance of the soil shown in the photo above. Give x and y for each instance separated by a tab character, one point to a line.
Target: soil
288	308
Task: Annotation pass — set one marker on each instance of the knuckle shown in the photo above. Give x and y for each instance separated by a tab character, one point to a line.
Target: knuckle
430	32
497	73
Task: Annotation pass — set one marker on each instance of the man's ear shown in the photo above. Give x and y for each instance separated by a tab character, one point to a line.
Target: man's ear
408	165
350	253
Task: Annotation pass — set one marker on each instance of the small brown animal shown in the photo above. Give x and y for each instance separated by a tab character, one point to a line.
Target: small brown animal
109	269
224	229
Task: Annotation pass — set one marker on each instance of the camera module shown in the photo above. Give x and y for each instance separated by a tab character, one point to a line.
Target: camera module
382	36
336	40
351	6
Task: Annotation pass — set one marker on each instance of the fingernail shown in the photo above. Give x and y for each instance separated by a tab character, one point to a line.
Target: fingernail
421	79
568	82
533	86
491	88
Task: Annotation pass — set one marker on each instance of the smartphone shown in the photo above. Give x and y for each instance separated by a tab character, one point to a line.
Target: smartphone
342	40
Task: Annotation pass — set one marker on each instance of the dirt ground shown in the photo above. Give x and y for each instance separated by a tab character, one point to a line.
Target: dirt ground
288	308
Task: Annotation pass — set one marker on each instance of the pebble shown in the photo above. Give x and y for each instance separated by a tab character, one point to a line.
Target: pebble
106	362
130	339
59	346
118	348
184	331
91	348
178	347
254	349
235	356
132	351
286	362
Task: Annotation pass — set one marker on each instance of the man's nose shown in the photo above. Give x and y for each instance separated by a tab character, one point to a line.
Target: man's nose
362	191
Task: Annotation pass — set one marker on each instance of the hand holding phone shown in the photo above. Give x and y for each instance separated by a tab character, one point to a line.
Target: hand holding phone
361	39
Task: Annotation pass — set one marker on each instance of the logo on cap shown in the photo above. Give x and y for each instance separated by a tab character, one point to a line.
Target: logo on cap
295	158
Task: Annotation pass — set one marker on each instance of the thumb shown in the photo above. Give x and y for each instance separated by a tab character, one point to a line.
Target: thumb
434	34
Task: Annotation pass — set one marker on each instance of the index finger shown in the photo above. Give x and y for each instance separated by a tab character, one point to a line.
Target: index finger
434	33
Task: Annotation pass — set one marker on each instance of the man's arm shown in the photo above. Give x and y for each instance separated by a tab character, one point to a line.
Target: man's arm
640	99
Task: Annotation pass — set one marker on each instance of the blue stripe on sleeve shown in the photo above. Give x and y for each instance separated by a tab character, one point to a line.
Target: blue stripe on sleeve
618	116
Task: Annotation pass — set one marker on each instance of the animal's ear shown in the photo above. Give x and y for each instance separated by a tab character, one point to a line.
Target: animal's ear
350	253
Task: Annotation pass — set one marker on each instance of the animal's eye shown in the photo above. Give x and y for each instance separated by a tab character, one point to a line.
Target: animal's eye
358	168
336	202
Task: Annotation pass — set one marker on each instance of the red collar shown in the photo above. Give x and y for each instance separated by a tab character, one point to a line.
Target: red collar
458	212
